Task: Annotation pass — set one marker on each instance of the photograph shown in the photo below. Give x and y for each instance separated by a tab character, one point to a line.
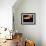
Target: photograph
28	18
22	22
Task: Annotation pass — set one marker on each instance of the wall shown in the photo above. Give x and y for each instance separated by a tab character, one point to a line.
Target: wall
6	13
43	22
32	32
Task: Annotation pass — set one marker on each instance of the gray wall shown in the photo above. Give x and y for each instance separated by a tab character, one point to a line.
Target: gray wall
6	13
32	32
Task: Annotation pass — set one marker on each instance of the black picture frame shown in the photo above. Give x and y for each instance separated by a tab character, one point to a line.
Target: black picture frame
28	18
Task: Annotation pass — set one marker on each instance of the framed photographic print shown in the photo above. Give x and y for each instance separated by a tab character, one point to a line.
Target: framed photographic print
28	18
